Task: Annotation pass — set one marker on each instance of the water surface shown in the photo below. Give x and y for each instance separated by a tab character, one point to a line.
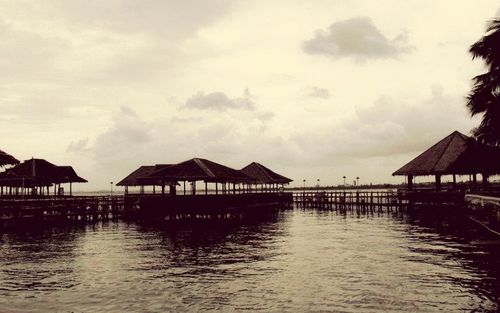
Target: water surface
297	261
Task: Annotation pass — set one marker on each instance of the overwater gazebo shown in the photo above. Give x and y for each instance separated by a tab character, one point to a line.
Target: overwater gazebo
38	174
7	159
132	180
265	177
456	154
198	169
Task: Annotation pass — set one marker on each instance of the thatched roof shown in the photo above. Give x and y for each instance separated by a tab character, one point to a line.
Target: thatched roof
39	172
143	171
7	159
454	154
263	175
199	169
66	174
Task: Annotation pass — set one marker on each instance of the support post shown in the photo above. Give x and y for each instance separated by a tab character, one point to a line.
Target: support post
410	182
485	180
438	182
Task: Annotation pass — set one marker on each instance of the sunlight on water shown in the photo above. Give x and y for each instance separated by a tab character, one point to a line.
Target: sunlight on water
297	261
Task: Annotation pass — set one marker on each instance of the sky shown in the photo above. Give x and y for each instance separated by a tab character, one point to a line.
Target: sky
312	89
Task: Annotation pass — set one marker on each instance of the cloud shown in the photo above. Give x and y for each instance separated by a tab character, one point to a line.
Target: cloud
128	131
391	126
77	146
219	101
318	92
357	38
172	18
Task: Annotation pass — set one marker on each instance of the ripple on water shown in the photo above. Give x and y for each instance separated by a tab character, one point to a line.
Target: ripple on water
298	261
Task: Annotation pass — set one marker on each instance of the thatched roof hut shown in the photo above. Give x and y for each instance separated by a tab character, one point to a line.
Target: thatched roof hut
37	173
133	178
263	175
7	159
456	154
199	169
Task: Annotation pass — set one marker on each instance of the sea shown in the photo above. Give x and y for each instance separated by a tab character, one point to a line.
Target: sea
296	260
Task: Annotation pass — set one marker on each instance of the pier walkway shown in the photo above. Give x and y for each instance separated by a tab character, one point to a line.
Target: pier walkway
61	209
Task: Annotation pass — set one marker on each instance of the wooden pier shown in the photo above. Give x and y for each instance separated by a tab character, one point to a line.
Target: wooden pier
350	200
60	209
374	200
211	206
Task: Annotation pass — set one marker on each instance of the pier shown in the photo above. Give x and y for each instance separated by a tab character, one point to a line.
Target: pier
388	200
60	209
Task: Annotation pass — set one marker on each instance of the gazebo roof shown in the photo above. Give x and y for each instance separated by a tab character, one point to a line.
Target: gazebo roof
39	172
133	178
263	175
7	159
199	169
454	154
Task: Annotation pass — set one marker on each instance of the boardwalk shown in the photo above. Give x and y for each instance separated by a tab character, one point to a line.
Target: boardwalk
350	200
60	209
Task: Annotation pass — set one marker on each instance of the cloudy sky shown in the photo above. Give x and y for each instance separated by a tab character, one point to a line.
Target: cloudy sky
312	89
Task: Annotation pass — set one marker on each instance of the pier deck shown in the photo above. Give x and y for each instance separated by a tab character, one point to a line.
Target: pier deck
60	209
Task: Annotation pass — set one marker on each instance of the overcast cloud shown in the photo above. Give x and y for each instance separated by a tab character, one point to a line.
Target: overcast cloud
358	38
107	86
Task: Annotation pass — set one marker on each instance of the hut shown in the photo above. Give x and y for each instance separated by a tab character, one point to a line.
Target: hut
7	159
132	180
456	154
198	169
265	177
38	174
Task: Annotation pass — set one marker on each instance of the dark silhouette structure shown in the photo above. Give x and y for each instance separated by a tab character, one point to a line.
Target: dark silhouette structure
37	174
456	154
7	159
132	180
265	177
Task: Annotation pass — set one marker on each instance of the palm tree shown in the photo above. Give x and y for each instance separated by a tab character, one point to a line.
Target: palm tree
485	95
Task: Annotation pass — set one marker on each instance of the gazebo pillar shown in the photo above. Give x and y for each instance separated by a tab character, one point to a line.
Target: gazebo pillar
126	189
206	188
485	180
410	182
162	187
438	182
173	190
454	181
474	181
70	189
216	188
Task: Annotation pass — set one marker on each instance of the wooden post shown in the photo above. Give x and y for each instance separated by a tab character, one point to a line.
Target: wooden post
454	181
438	182
485	180
206	188
126	190
216	188
474	181
173	190
184	183
162	187
410	182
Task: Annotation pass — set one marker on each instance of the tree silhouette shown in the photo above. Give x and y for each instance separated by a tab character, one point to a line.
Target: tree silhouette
485	94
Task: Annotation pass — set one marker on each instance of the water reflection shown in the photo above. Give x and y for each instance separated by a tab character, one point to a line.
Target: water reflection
294	261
